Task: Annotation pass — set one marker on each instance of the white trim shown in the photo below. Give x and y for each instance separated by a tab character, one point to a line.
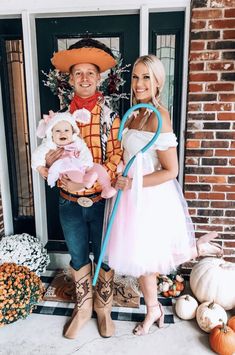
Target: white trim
53	7
144	30
184	94
4	176
33	104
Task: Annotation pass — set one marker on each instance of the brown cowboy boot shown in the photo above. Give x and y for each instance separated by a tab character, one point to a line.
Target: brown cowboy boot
83	309
103	299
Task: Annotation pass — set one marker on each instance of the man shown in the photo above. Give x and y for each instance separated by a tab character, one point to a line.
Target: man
82	210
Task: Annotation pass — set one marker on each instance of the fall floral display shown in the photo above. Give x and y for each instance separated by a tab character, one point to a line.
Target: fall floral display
170	285
110	86
20	290
24	249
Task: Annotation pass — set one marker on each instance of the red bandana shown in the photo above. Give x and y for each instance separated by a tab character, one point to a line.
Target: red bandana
89	103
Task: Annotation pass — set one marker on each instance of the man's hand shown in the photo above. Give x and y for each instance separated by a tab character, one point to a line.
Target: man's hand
43	171
70	185
53	155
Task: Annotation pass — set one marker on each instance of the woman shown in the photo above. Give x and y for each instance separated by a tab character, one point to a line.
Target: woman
152	232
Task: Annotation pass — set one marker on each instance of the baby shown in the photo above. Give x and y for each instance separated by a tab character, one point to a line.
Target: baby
60	130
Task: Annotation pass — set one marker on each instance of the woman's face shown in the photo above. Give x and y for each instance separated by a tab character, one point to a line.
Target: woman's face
141	84
62	133
85	78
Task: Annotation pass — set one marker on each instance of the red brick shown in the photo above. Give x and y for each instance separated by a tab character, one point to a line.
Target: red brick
211	196
214	144
204	56
229	244
194	107
224	221
225	135
202	97
212	179
223	204
221	24
205	14
231	197
193	144
191	161
232	145
197	46
226	116
227	97
208	228
225	153
217	107
192	212
203	77
195	87
225	171
220	87
232	162
199	152
200	135
190	195
229	34
196	66
229	13
198	25
220	66
224	188
192	178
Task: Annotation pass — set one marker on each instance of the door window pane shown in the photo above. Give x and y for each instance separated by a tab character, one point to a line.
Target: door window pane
165	50
19	122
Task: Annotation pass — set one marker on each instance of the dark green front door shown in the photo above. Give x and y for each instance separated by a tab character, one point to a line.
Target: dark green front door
16	125
56	33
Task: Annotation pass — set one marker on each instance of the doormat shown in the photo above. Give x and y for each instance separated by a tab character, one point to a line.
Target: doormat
125	294
65	305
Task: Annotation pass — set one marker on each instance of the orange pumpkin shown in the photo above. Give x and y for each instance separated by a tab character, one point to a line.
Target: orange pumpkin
222	340
231	323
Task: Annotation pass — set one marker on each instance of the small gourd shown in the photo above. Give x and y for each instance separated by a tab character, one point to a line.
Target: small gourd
185	307
209	315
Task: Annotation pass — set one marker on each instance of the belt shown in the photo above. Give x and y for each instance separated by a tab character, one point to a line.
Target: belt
84	201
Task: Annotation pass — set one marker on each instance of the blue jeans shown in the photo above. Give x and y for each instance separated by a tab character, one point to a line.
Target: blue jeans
82	228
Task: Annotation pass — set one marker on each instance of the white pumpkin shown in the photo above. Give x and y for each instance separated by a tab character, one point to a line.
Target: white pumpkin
209	315
185	307
213	279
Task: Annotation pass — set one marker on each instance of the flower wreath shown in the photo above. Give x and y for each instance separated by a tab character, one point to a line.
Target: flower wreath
110	86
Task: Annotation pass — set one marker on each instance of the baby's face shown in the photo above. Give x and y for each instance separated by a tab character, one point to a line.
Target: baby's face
62	133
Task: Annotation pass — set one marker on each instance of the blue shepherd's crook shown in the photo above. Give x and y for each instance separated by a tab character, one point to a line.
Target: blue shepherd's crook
127	167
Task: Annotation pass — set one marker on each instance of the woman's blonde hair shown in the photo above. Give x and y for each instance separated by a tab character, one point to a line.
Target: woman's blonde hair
157	72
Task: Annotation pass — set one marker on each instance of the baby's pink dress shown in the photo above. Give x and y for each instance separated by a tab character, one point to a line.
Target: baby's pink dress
152	230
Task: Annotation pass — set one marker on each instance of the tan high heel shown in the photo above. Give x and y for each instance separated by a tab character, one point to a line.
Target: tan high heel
205	246
140	330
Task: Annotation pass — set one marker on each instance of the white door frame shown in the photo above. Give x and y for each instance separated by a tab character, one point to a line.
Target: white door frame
28	10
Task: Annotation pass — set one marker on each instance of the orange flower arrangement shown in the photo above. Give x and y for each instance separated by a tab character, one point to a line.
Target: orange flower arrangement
20	290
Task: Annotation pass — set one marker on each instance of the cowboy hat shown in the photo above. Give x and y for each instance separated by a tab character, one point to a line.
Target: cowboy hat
86	50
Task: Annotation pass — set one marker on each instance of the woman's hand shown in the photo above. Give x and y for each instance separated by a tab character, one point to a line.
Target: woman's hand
123	183
53	155
71	186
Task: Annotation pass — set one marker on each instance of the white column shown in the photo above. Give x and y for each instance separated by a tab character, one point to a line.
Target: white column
144	30
4	177
34	115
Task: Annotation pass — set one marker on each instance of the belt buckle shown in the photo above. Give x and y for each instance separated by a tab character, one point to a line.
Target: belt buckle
85	201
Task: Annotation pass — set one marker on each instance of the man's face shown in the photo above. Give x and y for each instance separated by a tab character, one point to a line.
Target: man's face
62	133
84	78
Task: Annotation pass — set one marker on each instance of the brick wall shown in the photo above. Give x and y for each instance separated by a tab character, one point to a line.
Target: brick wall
210	134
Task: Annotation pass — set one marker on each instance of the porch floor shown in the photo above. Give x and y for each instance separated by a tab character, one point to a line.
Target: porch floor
42	334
